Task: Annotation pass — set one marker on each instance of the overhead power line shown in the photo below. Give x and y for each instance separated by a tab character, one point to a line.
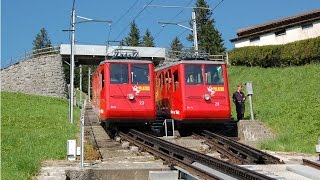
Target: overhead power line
178	7
157	35
134	19
128	10
217	5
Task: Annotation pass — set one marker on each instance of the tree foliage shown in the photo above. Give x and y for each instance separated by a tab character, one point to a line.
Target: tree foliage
41	41
148	40
209	38
176	45
133	38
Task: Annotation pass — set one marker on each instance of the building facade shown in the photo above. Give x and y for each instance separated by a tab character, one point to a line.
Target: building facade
281	31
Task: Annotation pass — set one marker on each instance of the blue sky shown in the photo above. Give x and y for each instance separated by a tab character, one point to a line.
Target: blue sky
22	20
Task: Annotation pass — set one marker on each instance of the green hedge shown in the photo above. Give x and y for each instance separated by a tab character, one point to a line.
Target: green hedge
296	53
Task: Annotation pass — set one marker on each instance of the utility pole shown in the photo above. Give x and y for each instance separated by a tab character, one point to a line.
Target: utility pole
193	29
72	66
195	34
80	66
89	84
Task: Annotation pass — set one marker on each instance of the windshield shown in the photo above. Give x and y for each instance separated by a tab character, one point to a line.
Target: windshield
140	74
119	73
193	74
213	74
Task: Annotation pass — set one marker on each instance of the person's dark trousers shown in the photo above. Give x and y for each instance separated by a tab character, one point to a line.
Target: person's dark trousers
240	110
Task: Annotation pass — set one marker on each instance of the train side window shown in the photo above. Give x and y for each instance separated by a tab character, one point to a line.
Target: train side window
119	74
168	79
102	79
214	74
176	80
162	80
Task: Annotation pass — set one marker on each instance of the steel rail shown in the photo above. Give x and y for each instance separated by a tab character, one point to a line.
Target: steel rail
183	157
172	161
238	151
311	163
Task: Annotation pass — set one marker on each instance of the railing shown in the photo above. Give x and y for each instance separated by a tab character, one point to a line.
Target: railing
32	54
194	55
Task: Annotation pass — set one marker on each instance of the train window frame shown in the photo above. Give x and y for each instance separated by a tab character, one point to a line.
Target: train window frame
217	78
102	78
161	79
176	80
121	79
168	79
141	78
188	75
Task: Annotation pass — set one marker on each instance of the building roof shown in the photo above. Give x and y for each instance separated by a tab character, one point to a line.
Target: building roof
277	24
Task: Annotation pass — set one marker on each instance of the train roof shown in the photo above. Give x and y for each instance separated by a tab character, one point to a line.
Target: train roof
174	63
126	61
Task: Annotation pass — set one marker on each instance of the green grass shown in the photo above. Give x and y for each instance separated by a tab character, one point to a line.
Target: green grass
33	128
287	100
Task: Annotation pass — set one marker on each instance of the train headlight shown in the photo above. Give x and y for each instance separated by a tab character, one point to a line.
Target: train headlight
130	96
206	97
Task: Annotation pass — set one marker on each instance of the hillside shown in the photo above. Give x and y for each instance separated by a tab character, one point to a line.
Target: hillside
33	128
286	99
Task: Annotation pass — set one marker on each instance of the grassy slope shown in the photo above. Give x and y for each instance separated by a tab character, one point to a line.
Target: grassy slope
33	128
288	100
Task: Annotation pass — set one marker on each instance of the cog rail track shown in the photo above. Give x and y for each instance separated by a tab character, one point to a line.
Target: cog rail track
236	152
176	155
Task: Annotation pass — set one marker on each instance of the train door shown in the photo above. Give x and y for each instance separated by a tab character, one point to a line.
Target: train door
176	93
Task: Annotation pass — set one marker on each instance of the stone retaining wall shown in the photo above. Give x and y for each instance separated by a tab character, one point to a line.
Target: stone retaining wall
39	76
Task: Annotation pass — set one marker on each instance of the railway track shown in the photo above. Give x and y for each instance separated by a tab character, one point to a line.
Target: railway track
236	152
198	164
311	163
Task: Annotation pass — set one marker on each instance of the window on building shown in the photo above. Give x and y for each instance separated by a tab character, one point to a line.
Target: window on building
140	74
306	26
119	73
193	74
254	39
280	33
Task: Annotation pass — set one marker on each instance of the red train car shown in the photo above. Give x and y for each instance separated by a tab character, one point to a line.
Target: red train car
193	91
123	92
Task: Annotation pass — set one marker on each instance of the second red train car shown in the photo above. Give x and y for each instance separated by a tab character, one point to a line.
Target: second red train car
193	91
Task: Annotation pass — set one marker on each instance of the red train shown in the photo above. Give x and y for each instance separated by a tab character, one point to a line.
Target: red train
193	92
123	92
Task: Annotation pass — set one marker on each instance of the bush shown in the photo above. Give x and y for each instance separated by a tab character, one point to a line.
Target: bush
296	53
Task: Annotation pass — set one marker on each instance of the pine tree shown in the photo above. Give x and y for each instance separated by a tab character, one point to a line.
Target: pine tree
209	38
176	44
133	38
148	39
41	41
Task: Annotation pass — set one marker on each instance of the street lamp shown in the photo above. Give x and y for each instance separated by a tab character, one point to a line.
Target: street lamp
72	64
193	29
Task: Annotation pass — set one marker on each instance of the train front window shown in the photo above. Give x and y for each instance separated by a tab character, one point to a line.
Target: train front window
213	75
140	74
119	74
193	74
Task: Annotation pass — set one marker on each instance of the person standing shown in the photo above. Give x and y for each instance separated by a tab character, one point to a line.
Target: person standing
238	98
